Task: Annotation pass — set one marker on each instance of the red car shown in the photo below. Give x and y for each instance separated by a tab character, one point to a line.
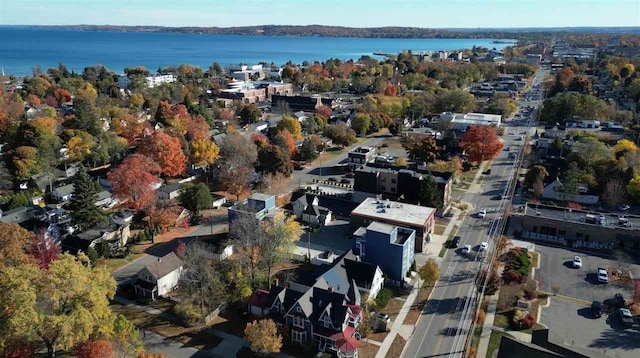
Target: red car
349	175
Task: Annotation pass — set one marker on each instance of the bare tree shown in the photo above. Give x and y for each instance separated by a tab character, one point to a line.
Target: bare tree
615	191
200	283
238	156
248	237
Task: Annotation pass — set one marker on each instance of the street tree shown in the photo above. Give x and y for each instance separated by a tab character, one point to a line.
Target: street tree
481	143
195	198
43	305
430	272
273	160
633	188
263	337
85	213
132	181
536	174
248	237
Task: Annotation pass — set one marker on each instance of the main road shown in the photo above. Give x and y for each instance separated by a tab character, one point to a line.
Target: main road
448	315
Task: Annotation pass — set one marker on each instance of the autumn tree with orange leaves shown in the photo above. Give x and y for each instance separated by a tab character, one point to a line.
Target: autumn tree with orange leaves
132	181
166	151
481	143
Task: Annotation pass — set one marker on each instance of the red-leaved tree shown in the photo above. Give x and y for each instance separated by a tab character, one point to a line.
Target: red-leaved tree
132	181
44	249
94	349
481	143
166	151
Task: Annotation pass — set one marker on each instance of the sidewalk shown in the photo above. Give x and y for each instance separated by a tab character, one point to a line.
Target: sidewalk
404	330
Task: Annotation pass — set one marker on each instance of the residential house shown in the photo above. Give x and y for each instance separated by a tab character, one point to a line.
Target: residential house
159	277
361	156
555	191
418	218
257	204
169	191
63	193
17	215
123	217
387	246
103	199
116	236
320	315
307	210
300	116
218	201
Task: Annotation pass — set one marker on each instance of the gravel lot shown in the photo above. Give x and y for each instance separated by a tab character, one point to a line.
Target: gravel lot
572	323
556	270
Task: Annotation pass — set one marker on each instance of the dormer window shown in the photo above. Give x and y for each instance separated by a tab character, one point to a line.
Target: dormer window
298	309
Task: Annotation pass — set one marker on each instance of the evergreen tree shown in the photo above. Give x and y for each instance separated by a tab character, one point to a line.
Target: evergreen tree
85	214
195	198
429	194
308	150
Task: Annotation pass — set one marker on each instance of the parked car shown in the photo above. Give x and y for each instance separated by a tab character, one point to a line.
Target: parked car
577	262
455	242
298	167
381	316
626	317
332	179
487	172
345	180
482	213
603	276
624	207
466	249
350	175
596	309
619	300
483	246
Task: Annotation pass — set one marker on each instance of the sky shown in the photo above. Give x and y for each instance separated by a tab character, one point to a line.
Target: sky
350	13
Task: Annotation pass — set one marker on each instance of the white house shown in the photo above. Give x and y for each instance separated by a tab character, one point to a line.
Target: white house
103	199
555	191
63	193
307	210
159	277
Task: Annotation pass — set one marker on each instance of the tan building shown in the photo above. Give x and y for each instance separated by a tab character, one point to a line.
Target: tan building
419	218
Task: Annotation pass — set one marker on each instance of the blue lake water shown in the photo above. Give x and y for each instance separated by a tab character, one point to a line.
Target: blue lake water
23	48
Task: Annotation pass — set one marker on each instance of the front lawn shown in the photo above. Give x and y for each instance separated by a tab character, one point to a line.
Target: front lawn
494	341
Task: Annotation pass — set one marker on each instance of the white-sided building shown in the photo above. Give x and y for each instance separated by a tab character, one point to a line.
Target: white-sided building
462	122
159	277
152	81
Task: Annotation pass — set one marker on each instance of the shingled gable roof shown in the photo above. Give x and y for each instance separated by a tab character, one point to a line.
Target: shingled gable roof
164	265
287	297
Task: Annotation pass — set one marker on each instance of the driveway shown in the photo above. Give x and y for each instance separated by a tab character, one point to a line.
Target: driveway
556	270
158	344
571	323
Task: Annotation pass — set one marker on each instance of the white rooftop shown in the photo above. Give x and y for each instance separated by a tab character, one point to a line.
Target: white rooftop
392	211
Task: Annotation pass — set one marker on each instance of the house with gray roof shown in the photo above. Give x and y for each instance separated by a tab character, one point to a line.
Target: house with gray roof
63	193
307	210
159	277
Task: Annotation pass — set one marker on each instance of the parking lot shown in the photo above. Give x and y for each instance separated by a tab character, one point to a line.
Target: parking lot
572	323
556	270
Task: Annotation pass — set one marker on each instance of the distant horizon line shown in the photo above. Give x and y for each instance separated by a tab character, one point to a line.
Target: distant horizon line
340	26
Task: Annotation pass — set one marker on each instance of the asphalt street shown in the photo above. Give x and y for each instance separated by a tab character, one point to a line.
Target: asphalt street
447	317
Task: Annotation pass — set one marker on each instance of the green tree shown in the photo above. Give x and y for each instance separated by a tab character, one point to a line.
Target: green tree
195	198
61	306
250	114
308	150
430	272
85	213
429	194
361	123
395	128
86	117
633	188
282	232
